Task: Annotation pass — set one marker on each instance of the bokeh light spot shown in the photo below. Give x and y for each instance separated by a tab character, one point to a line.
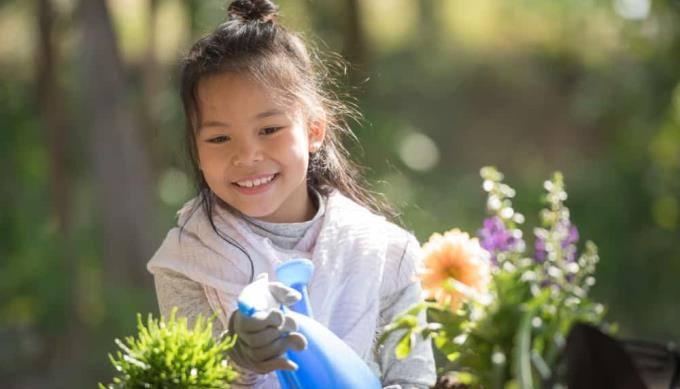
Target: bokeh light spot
633	9
419	152
174	187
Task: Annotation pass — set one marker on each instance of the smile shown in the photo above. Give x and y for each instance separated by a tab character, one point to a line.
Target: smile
256	182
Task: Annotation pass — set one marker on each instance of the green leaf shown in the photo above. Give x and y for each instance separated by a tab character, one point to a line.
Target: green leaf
168	354
522	356
403	348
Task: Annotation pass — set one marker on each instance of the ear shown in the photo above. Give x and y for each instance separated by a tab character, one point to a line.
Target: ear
316	133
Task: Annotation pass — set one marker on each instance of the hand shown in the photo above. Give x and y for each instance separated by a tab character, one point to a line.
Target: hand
264	337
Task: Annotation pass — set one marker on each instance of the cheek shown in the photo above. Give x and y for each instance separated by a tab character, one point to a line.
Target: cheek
299	152
201	157
300	139
209	162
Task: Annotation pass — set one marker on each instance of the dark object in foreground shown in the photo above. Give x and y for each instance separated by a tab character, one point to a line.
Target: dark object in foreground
658	362
596	360
448	382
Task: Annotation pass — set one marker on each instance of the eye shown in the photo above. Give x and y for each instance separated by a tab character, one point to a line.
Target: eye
270	130
218	139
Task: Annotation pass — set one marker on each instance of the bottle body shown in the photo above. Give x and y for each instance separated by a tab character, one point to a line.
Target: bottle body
327	362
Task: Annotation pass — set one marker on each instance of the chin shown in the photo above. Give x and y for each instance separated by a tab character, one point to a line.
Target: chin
256	213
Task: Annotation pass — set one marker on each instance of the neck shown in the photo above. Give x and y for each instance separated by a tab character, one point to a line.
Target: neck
301	213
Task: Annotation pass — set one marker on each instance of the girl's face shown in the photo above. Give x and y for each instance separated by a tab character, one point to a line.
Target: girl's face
254	152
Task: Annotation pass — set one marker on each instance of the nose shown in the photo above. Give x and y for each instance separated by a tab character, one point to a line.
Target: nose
247	153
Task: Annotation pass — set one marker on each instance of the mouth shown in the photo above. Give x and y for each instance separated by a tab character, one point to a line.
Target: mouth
255	185
252	183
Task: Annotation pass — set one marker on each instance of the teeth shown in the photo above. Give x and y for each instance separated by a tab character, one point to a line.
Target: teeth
255	182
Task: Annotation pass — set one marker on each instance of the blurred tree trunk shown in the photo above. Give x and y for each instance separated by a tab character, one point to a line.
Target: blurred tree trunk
429	28
341	24
152	83
354	44
66	350
120	165
51	99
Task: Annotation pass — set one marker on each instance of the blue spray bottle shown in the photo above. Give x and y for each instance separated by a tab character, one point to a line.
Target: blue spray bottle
327	362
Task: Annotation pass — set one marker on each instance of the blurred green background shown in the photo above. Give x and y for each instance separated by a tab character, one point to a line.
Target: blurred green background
93	166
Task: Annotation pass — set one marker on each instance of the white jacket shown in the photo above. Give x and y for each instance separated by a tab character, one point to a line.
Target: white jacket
354	272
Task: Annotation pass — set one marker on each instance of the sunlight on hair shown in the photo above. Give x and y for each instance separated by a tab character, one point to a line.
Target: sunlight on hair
174	187
632	9
419	152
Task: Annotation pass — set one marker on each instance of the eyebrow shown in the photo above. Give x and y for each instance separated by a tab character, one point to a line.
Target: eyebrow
261	115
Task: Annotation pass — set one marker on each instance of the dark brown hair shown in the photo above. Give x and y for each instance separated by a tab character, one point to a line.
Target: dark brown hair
251	42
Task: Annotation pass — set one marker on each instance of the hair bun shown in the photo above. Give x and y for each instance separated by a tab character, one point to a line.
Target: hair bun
252	10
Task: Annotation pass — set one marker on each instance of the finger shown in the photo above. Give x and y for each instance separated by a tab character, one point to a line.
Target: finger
289	324
295	341
259	321
272	350
284	294
276	364
262	338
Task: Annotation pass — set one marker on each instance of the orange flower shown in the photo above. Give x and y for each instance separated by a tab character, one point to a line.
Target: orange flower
456	268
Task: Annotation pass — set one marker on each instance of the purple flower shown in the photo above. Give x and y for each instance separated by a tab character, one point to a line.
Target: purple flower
568	245
494	237
541	252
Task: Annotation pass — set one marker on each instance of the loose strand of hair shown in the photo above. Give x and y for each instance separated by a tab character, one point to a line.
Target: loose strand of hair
207	203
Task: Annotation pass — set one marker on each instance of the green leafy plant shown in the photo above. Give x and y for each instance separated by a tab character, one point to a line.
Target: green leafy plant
167	354
500	313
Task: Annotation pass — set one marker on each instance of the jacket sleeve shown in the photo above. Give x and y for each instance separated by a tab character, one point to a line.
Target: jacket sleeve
401	291
176	290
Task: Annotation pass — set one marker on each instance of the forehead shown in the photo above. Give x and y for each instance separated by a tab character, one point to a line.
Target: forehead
237	94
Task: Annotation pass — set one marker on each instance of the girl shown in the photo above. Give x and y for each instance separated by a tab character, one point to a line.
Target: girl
275	184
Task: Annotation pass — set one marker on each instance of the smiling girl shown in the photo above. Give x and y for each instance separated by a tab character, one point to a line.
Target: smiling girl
274	183
253	153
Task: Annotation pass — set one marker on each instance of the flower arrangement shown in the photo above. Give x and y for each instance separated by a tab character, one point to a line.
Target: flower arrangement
499	313
170	355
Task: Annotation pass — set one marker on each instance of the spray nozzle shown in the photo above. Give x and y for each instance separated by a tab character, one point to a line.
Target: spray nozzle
256	296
